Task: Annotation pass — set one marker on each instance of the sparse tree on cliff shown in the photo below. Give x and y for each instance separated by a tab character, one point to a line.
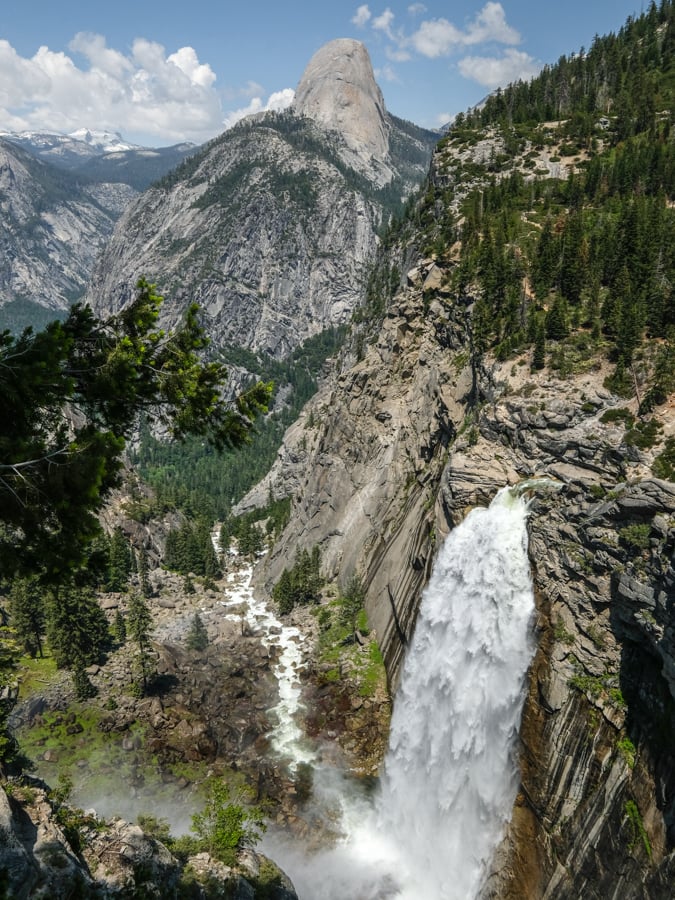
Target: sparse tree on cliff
27	606
139	619
197	636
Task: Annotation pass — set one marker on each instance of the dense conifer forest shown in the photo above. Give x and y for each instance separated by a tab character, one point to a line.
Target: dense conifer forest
580	265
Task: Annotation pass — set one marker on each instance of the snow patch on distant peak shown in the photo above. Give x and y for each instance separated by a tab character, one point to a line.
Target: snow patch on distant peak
103	141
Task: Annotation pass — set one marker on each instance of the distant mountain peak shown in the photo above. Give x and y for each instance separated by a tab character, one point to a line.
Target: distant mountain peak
338	90
102	141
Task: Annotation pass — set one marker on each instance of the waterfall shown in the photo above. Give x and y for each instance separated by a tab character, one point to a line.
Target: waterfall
450	775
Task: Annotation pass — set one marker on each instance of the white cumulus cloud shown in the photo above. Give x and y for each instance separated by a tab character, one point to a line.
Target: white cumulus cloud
439	37
362	16
147	94
493	71
436	37
186	60
383	23
280	99
277	101
490	25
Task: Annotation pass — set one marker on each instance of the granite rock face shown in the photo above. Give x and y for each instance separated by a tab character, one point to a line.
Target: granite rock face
50	232
339	92
365	463
393	452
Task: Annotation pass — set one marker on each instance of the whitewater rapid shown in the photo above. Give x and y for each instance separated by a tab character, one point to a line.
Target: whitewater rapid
450	775
287	738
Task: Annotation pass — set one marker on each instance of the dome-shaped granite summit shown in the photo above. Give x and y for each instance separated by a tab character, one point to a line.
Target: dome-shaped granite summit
338	90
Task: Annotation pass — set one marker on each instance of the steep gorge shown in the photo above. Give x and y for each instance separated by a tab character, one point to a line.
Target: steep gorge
401	443
396	457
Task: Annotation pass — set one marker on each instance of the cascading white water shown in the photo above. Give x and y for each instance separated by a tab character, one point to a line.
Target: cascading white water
450	775
287	737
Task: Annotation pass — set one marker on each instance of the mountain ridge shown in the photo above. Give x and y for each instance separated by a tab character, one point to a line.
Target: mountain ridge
271	226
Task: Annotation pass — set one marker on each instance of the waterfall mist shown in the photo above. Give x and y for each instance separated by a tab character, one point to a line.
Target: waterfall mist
450	774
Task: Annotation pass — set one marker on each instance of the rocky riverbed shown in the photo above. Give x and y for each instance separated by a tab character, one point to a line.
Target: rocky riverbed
254	705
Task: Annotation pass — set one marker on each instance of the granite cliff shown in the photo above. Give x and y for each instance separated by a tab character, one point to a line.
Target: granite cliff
51	231
60	198
393	456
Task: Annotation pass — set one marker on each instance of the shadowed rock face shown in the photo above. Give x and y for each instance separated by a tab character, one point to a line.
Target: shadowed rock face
338	90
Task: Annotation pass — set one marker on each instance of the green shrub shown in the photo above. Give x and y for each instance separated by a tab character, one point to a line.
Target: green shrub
635	537
226	825
637	827
644	435
627	750
618	414
664	464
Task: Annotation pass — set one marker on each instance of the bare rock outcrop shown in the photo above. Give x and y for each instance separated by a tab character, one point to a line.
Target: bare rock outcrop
338	90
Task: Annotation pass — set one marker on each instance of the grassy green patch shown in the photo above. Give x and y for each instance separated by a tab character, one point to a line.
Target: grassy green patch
95	760
339	648
638	833
373	673
34	674
627	750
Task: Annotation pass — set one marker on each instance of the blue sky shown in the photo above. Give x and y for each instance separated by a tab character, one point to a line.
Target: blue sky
160	72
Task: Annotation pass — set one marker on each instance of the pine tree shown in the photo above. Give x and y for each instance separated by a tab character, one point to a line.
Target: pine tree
197	637
283	593
119	628
119	561
77	629
143	580
139	621
28	614
545	262
556	320
539	356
